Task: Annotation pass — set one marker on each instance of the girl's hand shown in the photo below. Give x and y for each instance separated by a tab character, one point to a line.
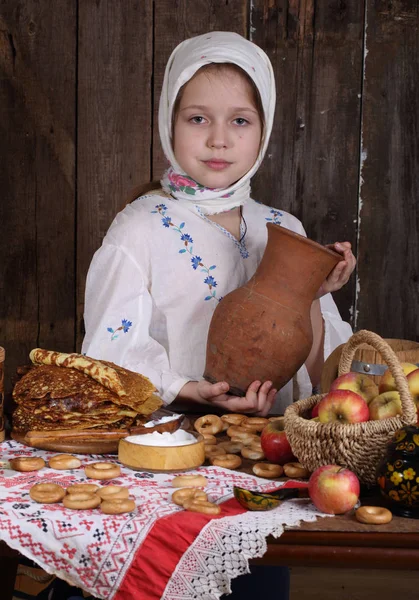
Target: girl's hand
258	400
343	270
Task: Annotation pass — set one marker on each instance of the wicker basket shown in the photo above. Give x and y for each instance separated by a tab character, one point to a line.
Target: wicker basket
357	446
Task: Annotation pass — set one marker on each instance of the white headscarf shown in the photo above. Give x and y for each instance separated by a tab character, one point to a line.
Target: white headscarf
184	62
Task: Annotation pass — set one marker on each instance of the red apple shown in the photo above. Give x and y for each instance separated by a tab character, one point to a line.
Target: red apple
343	406
413	381
385	405
315	411
356	382
334	490
275	444
387	383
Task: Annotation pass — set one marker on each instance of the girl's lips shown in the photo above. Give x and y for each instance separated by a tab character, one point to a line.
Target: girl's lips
217	165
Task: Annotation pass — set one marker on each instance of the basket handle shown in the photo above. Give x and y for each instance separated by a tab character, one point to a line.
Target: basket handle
409	415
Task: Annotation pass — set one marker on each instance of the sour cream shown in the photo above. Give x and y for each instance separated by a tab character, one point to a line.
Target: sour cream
162	420
177	438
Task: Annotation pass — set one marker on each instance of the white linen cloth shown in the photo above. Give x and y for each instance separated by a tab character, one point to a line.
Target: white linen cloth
154	284
186	59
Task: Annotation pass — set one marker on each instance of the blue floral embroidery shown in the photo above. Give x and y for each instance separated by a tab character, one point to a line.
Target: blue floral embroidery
275	216
196	261
125	325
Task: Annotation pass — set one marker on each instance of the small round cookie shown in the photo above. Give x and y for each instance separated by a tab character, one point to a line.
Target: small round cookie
64	461
27	463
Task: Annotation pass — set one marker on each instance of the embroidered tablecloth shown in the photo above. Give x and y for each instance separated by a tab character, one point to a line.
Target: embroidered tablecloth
158	549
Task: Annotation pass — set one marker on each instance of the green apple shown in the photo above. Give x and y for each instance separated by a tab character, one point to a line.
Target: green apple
385	405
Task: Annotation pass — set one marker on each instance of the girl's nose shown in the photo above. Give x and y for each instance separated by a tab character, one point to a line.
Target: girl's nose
218	137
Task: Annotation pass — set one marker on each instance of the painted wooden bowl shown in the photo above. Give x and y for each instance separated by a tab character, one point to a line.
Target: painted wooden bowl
398	473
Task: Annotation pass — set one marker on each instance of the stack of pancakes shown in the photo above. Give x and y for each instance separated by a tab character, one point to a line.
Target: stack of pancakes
72	391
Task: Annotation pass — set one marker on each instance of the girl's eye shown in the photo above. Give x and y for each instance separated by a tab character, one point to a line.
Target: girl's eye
241	121
198	120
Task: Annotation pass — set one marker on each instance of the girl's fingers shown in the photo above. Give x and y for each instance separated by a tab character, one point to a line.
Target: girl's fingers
210	390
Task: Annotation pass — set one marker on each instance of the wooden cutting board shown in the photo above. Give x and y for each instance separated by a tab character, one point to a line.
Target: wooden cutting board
94	441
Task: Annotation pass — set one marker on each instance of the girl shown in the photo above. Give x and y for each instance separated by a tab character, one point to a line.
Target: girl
170	256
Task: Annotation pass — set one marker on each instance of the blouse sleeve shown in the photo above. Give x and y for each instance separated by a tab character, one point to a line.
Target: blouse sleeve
118	311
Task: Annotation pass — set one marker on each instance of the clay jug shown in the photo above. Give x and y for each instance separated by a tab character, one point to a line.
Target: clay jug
262	330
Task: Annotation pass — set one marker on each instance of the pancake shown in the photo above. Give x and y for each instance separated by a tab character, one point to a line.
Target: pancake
55	395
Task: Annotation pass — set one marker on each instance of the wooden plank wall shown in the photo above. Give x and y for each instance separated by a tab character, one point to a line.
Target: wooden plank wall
79	90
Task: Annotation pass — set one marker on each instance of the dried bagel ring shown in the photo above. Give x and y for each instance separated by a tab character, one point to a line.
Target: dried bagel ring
254	423
208	424
113	492
189	481
209	439
267	470
64	461
102	470
246	441
211	451
228	461
252	453
296	470
374	515
231	447
182	494
27	463
47	493
208	508
81	501
233	418
77	488
117	506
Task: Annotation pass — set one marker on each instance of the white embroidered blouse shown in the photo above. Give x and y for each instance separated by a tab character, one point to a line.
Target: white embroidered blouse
153	285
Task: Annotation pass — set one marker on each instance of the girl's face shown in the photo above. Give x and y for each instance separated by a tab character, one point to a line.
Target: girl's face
217	128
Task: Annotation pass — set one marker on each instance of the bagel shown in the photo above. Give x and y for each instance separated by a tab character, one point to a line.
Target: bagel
252	453
117	506
254	423
81	501
64	461
374	515
102	470
233	418
189	481
267	470
208	508
113	492
47	493
180	496
208	424
296	470
77	488
26	463
228	461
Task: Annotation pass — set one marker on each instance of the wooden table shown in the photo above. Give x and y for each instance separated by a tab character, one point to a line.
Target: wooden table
338	541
